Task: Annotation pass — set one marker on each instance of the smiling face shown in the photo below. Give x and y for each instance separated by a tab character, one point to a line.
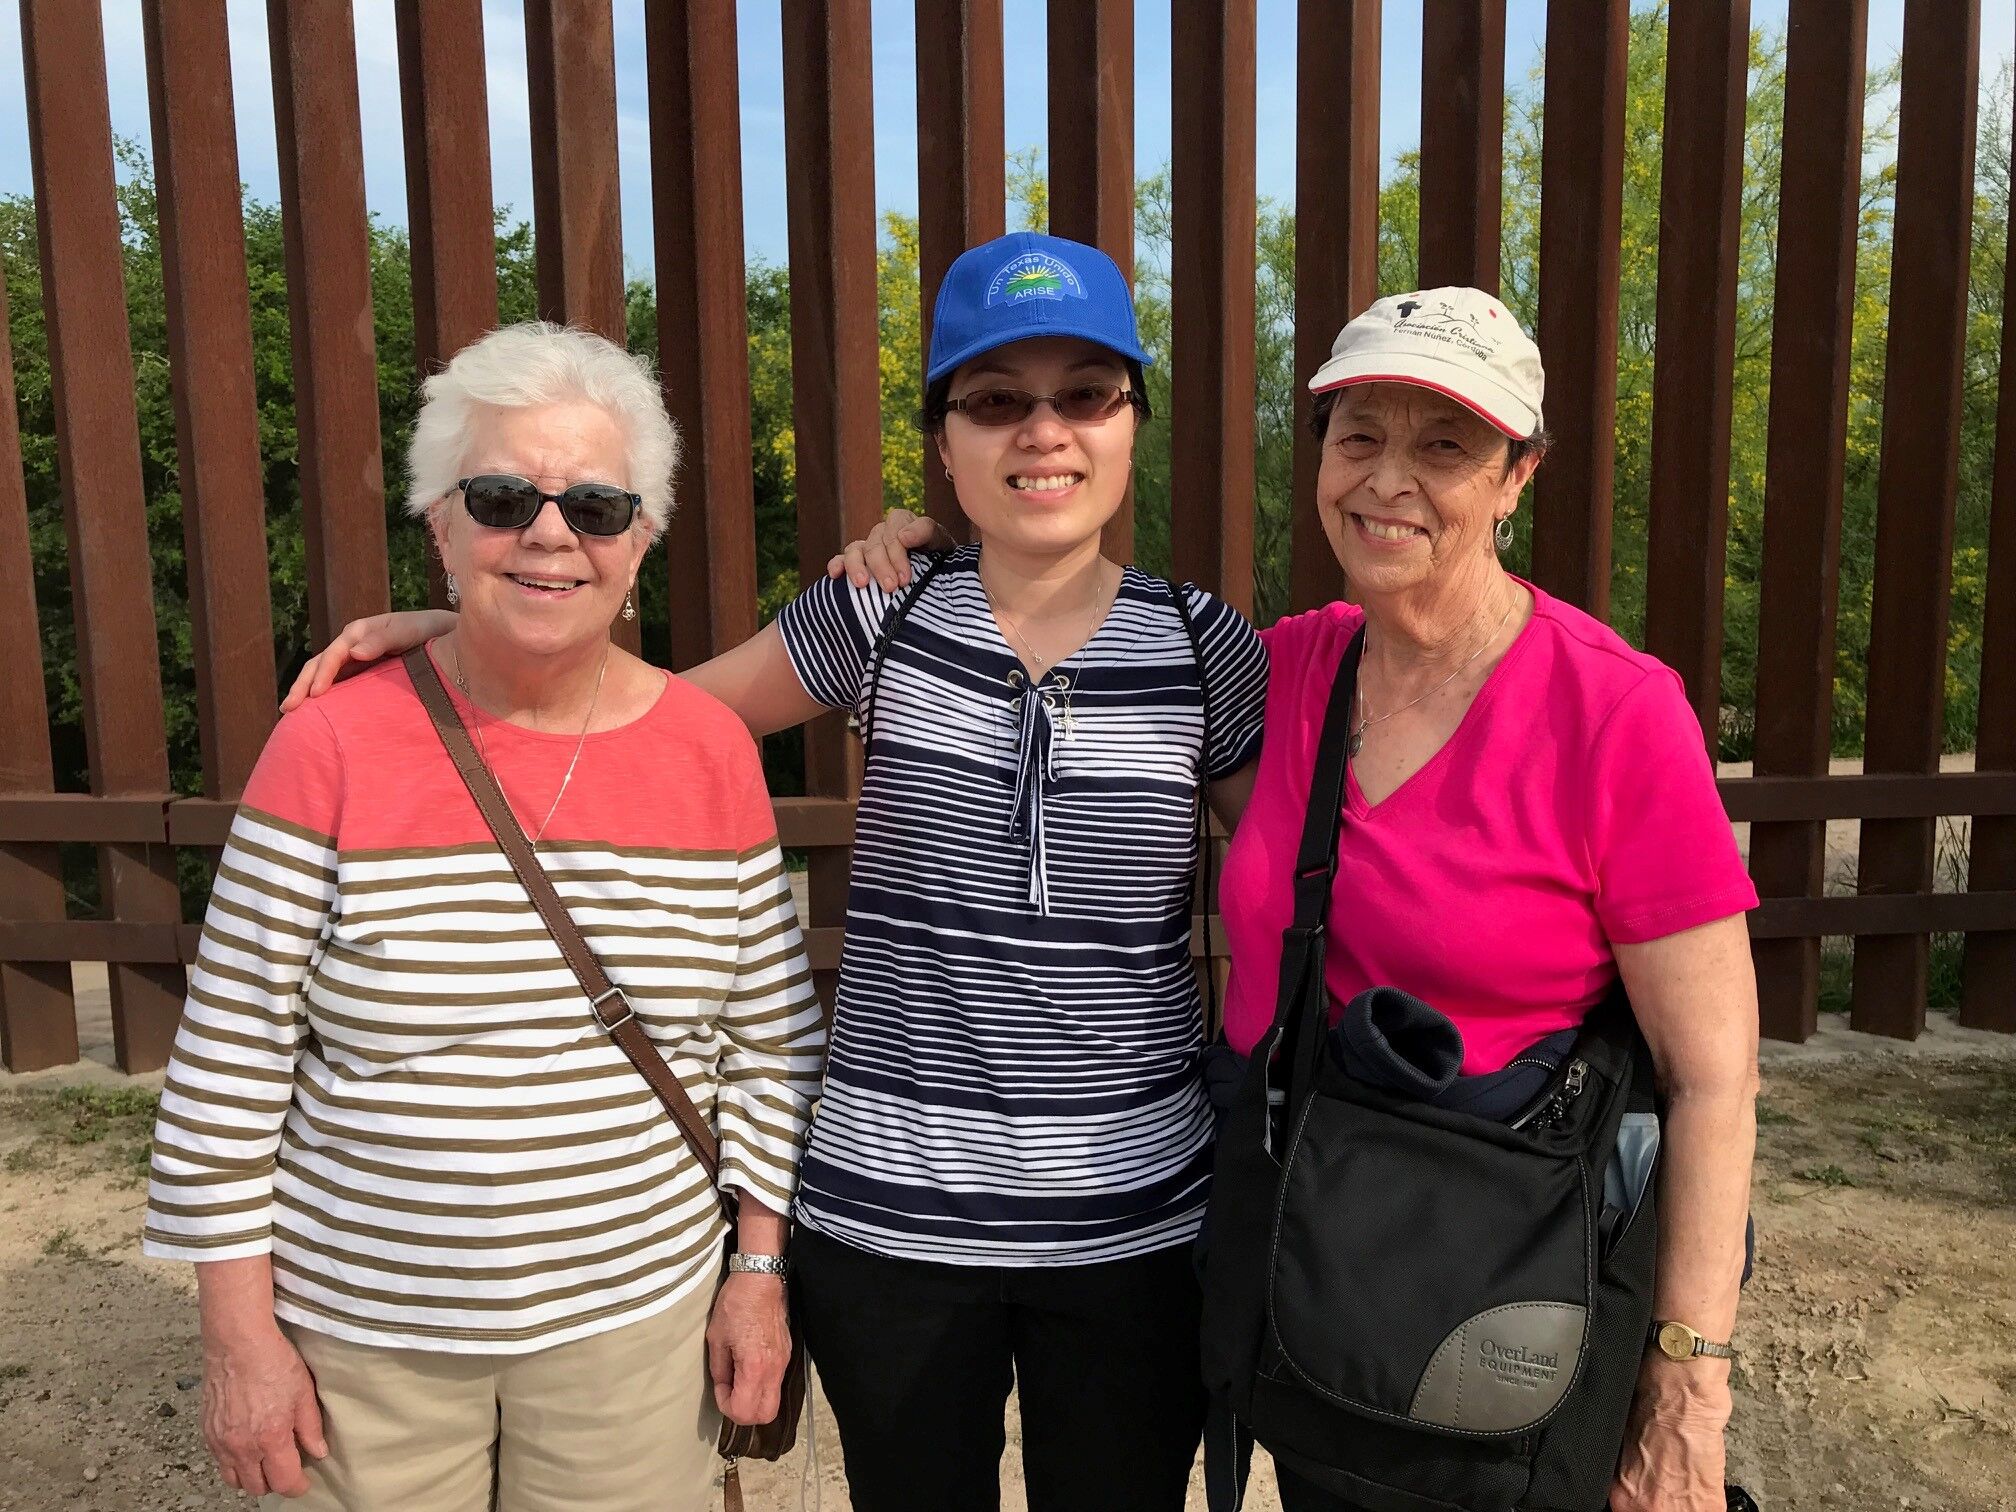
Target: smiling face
1046	484
545	589
1410	486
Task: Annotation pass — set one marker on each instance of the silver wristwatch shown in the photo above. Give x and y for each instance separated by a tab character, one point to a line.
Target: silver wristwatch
762	1265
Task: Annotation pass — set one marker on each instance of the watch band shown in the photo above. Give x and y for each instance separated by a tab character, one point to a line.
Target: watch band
762	1265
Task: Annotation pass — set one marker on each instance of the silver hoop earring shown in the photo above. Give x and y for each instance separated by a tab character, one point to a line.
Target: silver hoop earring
454	594
1503	533
629	606
948	475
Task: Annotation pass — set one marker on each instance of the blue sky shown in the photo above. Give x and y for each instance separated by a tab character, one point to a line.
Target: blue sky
762	96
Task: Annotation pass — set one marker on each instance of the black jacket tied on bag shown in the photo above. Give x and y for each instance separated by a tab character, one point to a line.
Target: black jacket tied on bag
1415	1306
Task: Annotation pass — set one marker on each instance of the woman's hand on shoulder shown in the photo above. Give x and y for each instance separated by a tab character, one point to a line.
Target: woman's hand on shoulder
884	554
363	641
1674	1458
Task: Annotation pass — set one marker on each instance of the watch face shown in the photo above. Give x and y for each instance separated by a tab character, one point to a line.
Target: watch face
1676	1341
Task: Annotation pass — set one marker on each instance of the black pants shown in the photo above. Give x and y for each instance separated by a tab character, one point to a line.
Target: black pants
917	1358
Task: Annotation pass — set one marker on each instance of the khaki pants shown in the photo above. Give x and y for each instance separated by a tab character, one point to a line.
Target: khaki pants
622	1421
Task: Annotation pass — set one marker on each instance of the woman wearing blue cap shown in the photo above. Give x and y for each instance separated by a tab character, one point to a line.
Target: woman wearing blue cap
1011	1156
1518	818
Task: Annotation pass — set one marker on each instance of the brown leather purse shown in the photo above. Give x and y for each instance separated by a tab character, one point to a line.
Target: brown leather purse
611	1010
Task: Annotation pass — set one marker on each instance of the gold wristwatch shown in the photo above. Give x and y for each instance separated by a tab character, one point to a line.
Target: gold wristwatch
1677	1341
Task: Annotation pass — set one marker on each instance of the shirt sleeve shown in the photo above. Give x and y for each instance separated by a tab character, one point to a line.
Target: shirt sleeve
1660	843
1235	670
772	1023
830	631
231	1077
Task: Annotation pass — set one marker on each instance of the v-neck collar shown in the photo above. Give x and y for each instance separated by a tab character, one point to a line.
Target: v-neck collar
1354	797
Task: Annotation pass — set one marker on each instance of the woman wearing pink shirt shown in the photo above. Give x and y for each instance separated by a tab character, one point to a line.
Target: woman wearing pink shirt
1530	817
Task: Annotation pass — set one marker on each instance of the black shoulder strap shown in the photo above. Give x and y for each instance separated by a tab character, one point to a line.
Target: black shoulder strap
1204	848
1299	1007
864	722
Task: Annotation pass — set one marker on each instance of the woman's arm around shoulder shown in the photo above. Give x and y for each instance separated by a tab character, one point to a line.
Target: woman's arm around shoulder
1234	676
362	642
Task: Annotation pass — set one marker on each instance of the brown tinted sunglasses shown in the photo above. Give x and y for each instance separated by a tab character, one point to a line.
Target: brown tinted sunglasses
1081	404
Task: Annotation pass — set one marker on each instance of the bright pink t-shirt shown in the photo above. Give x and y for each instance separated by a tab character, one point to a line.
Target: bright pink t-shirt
1574	808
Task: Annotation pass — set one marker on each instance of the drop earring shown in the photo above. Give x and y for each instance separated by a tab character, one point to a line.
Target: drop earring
629	606
454	594
1502	534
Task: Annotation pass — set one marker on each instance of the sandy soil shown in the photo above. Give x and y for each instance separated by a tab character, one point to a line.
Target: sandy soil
1880	1335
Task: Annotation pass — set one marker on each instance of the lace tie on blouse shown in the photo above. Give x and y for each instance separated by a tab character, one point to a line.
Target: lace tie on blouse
1036	769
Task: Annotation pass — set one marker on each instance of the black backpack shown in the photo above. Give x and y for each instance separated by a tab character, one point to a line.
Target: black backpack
1413	1308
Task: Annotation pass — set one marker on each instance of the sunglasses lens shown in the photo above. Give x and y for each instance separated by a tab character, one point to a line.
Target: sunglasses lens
597	508
499	502
998	406
1090	401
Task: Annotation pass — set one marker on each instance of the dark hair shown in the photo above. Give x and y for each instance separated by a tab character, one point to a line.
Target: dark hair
1517	448
937	394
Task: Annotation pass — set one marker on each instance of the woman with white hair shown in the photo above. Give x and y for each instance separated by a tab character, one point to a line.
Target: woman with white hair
451	1251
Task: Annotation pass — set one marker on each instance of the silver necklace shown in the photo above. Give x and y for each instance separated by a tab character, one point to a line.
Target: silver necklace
1042	666
462	682
1366	721
1059	686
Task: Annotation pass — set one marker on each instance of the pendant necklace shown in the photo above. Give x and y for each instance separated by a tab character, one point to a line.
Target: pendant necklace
1059	683
462	682
1366	721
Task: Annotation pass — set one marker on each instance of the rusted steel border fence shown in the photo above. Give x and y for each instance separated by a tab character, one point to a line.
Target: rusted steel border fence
137	826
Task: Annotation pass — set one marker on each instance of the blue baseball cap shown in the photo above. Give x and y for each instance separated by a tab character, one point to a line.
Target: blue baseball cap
1026	284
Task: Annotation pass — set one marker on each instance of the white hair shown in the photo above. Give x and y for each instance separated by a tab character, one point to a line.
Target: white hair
534	363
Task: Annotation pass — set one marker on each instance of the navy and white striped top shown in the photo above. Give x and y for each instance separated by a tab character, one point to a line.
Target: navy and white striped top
1012	1077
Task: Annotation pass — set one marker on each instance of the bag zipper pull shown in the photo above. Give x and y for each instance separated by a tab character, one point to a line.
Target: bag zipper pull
1571	1088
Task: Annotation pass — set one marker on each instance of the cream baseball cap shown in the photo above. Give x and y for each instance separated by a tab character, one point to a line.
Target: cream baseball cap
1457	341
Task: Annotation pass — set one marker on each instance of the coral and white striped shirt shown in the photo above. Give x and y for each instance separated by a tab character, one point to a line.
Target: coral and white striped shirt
387	1076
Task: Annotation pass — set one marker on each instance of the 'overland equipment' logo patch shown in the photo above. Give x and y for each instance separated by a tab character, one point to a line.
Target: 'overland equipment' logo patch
1516	1365
1033	275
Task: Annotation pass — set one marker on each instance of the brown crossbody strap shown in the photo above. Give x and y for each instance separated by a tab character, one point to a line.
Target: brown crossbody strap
606	1002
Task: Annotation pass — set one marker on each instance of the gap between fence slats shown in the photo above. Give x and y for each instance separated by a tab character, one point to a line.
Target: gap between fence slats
1806	439
1581	223
1917	480
1336	241
329	304
104	498
1091	157
835	351
703	328
1211	422
961	170
221	478
1988	976
1463	139
38	1020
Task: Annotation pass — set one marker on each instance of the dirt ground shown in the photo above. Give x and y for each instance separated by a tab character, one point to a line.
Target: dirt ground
1879	1338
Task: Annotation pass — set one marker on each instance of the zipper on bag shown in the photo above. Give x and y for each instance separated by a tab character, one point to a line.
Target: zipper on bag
1551	1113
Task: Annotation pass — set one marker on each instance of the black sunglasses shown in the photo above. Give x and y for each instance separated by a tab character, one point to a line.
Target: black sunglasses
504	502
1082	404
